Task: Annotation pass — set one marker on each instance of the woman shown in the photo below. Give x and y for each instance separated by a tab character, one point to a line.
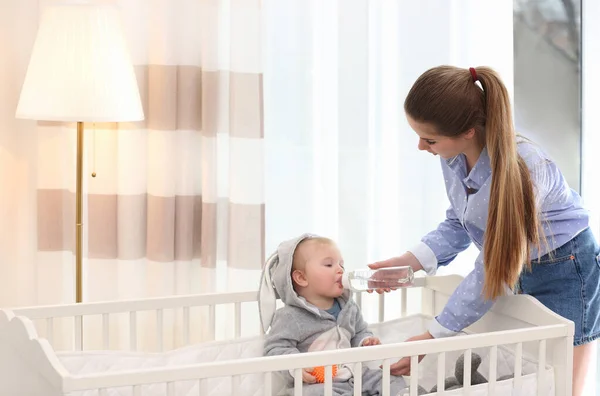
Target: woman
509	199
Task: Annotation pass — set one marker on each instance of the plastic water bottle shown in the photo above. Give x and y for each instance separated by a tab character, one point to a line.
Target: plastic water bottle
383	278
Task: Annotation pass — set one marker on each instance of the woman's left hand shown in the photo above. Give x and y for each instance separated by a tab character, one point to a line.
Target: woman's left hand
402	366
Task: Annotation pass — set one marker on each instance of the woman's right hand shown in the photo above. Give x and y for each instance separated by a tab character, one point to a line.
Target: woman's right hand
406	260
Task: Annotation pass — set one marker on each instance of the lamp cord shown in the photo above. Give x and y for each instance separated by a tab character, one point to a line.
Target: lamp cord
94	151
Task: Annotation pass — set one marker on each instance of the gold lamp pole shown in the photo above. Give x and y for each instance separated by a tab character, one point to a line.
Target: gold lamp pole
70	80
79	217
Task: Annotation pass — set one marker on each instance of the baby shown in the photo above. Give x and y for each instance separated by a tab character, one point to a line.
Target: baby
319	315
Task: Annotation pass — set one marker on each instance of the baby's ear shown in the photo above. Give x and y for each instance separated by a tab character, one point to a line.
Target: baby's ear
299	278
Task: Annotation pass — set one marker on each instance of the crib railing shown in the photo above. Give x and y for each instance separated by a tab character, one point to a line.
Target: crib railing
516	321
134	307
50	314
355	356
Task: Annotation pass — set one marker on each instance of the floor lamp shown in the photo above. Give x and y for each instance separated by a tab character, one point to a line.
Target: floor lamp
80	71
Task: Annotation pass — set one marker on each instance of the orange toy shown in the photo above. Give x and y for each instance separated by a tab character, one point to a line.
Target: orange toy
319	373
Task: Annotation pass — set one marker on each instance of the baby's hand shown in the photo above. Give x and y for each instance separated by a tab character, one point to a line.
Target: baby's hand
371	341
307	377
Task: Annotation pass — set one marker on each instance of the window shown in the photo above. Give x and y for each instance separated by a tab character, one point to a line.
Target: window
547	42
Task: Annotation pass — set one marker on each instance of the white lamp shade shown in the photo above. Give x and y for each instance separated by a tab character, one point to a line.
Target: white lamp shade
80	69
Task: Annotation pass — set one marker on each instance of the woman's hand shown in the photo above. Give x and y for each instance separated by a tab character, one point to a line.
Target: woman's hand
402	366
406	260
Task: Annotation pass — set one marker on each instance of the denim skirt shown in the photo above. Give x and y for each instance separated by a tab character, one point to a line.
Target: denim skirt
567	281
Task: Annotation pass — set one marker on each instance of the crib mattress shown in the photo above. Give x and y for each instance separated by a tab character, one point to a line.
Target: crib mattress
90	362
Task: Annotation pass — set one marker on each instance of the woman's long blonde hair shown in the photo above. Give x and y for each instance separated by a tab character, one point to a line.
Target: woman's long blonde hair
448	98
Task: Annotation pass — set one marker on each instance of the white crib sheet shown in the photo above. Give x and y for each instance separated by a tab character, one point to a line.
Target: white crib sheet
88	362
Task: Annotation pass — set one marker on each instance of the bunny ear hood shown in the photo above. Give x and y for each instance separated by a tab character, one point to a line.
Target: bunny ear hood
276	282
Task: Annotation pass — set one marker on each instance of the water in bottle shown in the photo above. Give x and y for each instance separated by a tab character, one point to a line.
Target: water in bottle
383	278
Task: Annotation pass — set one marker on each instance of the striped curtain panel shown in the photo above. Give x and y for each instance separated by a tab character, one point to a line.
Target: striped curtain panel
176	205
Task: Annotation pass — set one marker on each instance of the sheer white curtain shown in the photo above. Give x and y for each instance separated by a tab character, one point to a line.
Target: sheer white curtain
340	157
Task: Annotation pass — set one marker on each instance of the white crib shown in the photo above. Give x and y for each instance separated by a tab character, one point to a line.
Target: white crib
536	346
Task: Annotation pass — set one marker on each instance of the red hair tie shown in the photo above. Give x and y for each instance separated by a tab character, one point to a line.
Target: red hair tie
473	74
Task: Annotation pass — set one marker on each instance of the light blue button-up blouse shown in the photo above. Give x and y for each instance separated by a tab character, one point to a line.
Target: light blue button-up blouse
561	213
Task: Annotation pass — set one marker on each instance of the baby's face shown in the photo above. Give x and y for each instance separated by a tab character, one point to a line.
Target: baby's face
324	270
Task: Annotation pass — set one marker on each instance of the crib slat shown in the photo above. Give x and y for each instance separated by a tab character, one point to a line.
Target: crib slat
358	299
50	330
441	371
211	321
105	328
186	325
518	367
203	387
541	385
137	390
159	329
133	331
328	382
358	379
414	375
381	307
403	302
298	382
493	370
467	373
238	319
385	382
78	333
268	384
170	388
235	384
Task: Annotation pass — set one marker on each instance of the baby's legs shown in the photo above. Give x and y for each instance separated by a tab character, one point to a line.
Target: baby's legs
372	383
338	388
371	386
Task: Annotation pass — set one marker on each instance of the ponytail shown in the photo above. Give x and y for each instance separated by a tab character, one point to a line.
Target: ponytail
512	224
